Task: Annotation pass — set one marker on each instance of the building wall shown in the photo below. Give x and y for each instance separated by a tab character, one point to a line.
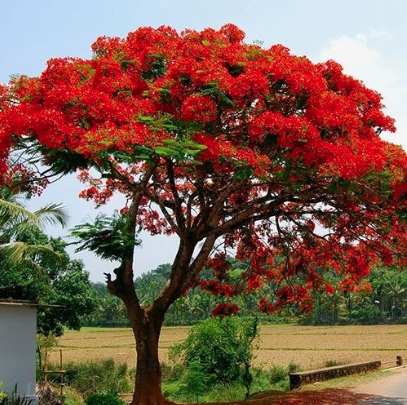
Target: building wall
17	349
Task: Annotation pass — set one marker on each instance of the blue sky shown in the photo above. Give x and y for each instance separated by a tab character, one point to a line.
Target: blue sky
368	37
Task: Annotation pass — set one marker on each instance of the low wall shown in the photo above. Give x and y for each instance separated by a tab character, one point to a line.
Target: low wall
312	376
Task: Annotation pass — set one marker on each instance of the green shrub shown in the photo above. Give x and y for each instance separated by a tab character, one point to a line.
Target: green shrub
71	396
171	373
196	380
217	352
3	396
293	368
98	377
217	392
278	374
222	347
14	398
332	363
104	399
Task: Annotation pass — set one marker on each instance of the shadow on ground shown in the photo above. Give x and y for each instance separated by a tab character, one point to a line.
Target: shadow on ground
323	397
378	400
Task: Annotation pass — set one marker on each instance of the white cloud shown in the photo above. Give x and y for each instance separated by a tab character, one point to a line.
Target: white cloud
362	58
362	61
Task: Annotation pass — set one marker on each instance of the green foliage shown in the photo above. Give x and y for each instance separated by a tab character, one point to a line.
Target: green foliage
196	379
98	377
386	303
18	247
73	297
72	397
45	343
14	399
332	363
109	309
278	374
3	395
222	347
175	388
110	238
104	399
368	314
63	284
180	150
217	353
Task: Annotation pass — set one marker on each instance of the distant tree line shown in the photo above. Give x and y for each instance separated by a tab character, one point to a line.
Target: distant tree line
381	299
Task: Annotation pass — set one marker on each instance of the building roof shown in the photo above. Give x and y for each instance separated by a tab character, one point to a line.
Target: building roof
22	303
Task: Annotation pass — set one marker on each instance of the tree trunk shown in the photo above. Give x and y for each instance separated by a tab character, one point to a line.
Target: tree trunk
147	388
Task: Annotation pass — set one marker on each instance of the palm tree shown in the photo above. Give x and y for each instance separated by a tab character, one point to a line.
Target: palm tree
16	221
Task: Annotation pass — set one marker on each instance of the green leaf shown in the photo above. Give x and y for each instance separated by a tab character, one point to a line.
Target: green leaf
180	150
149	119
243	174
165	151
124	64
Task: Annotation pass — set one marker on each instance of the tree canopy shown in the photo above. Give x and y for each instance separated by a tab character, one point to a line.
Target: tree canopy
229	146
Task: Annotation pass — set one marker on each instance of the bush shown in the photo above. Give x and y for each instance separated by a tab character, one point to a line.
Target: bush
98	377
279	376
221	346
196	380
217	351
14	398
332	363
177	392
104	399
3	396
171	373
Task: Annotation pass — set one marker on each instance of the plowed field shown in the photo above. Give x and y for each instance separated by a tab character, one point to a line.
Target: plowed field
307	346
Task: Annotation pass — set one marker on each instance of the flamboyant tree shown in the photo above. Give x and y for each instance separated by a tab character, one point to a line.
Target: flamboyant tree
228	146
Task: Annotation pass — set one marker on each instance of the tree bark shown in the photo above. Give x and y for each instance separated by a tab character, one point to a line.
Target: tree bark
147	388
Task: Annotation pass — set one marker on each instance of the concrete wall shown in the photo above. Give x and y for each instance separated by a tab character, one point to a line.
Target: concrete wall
17	348
312	376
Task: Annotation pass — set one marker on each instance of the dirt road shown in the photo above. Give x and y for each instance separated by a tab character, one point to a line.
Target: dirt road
389	390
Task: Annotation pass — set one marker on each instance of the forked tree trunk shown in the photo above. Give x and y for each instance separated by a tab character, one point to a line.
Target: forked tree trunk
147	388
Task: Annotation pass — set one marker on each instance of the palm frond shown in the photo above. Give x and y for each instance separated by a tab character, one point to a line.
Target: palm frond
24	254
53	214
108	237
11	212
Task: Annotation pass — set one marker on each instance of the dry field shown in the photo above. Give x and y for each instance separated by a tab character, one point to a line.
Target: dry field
308	346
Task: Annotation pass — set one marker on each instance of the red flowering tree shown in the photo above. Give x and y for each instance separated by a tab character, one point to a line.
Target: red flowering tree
228	146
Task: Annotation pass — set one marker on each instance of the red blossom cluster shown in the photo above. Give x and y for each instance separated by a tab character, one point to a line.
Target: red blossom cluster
223	142
20	179
225	309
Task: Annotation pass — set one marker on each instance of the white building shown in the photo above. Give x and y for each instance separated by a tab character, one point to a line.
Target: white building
18	321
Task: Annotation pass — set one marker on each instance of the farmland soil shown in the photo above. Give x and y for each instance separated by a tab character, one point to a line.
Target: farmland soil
306	346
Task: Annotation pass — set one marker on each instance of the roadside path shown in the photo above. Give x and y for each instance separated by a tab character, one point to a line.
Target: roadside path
390	390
